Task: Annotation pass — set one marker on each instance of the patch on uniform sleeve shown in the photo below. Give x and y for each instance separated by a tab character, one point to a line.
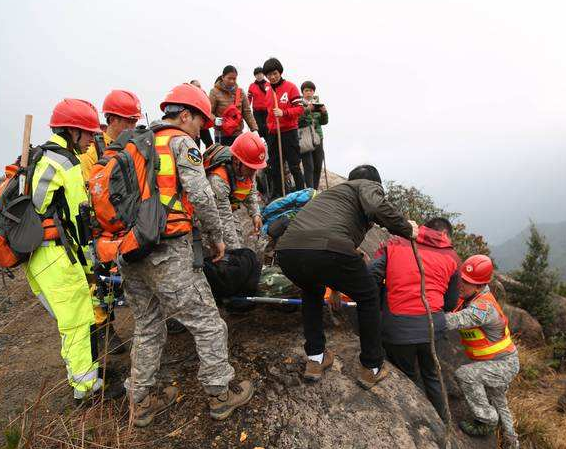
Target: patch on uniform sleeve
194	157
480	311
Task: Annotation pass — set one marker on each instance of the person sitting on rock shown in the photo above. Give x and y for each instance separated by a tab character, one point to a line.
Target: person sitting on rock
487	342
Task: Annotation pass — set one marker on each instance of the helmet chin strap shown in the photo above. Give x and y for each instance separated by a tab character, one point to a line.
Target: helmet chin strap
76	146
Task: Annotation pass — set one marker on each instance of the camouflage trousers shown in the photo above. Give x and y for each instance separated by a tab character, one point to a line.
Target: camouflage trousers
164	285
485	385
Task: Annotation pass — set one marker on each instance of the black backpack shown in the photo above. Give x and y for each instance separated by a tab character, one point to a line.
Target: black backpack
21	230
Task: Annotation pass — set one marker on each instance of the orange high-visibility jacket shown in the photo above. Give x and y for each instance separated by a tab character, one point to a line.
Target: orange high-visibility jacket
476	344
179	209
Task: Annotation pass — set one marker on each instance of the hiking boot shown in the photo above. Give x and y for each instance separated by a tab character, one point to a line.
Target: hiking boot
314	370
366	378
222	406
477	428
115	344
510	441
174	326
153	404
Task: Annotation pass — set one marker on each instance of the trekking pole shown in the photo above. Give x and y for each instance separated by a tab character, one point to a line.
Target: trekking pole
281	169
325	172
25	152
426	305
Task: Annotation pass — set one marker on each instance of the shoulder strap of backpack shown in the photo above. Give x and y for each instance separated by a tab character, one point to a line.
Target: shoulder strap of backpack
211	156
238	97
231	176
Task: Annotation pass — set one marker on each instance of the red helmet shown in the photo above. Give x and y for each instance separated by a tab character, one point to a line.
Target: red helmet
123	103
189	95
249	148
75	113
477	269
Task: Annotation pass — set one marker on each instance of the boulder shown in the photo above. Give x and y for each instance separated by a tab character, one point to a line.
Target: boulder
524	326
558	326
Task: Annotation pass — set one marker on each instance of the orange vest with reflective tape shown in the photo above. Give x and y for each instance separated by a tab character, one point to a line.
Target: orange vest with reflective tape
476	344
176	202
240	191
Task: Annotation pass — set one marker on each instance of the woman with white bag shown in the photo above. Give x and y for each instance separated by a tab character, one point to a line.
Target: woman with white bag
311	136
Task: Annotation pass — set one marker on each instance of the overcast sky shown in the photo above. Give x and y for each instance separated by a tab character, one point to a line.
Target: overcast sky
465	100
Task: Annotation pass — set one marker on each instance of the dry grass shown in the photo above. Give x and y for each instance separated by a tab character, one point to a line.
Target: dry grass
533	400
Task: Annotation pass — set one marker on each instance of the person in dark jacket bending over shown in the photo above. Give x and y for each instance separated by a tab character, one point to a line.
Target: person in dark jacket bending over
320	249
404	320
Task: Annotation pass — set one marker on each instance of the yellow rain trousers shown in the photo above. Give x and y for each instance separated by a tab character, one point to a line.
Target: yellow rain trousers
60	285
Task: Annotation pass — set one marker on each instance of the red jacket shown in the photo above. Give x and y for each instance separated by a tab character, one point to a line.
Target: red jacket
289	101
256	95
402	278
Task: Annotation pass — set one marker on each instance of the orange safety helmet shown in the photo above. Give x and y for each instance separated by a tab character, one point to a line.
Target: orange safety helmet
123	103
250	149
477	270
189	95
75	113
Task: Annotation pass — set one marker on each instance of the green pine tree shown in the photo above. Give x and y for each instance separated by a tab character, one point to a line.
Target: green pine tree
536	280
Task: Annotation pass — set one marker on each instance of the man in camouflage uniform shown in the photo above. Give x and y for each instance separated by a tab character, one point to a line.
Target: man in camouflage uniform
163	283
487	342
231	173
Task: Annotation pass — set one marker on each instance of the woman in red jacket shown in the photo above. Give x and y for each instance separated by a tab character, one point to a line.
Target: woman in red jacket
284	105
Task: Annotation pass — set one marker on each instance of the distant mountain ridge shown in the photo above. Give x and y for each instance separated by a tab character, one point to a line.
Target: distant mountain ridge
511	253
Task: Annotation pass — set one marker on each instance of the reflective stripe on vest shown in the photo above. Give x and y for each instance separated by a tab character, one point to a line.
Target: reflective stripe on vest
241	190
475	342
179	209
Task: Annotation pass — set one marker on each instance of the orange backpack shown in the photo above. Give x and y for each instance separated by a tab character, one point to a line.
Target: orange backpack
232	116
128	214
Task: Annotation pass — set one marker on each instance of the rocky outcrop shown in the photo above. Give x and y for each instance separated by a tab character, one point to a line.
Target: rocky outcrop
524	326
337	413
558	326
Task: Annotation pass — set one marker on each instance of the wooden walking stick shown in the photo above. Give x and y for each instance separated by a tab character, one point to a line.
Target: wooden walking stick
447	414
325	172
25	153
279	144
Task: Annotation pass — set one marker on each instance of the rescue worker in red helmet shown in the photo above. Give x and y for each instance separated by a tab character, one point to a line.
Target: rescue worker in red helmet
122	110
163	284
485	335
231	173
55	270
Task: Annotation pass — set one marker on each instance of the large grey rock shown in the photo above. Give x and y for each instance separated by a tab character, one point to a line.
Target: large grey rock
337	413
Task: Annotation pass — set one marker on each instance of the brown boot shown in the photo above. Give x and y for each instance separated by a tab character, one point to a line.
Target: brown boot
366	378
153	404
314	370
222	406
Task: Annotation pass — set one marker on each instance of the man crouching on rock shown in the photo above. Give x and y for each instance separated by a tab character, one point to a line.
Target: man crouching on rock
319	249
487	342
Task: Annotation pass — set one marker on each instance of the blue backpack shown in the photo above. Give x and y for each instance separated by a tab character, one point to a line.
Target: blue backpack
278	214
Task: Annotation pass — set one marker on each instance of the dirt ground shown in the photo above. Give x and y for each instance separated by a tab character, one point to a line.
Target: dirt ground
264	346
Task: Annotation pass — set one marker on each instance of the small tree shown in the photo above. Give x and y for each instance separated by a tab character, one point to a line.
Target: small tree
420	207
536	281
